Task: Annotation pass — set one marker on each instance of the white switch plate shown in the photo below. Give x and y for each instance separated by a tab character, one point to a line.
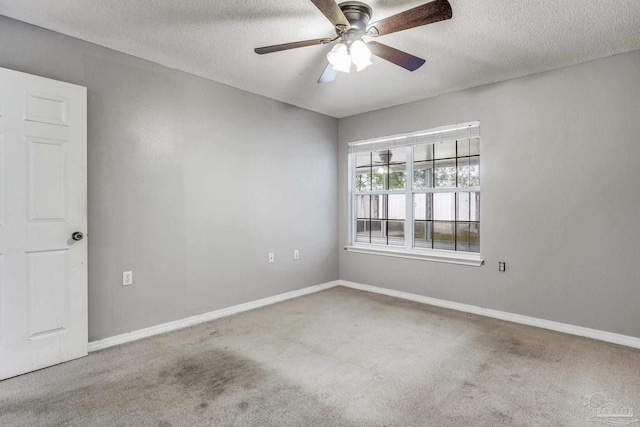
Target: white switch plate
127	278
296	254
271	257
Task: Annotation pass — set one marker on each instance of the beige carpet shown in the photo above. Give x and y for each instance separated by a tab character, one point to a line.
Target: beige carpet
336	358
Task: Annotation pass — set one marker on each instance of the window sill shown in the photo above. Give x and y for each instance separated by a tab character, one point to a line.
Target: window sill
461	258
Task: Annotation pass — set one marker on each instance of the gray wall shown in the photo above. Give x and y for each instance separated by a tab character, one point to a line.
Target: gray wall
191	184
560	196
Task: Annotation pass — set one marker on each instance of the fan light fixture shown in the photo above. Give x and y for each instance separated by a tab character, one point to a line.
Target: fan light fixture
341	56
350	20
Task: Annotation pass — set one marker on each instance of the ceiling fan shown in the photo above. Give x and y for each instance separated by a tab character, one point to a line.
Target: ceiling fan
351	22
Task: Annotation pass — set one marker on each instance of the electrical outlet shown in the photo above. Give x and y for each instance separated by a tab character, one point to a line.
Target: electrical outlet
271	258
296	254
127	278
502	266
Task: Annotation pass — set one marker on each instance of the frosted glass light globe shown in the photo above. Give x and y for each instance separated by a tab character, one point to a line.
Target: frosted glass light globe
360	55
339	58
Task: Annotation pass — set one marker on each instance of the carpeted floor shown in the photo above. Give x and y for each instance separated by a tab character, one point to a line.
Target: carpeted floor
336	358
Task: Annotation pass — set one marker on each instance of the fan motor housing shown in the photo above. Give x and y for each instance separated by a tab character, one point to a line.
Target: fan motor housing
357	13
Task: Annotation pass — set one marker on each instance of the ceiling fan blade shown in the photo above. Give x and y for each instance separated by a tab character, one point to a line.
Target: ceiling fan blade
287	46
328	74
398	57
428	13
333	13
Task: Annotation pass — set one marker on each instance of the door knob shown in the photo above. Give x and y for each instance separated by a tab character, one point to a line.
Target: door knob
77	236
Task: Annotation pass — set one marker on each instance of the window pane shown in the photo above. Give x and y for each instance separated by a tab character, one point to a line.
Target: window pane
474	147
445	173
363	207
398	155
362	230
468	207
395	229
468	235
422	206
397	176
363	159
443	235
445	150
423	233
377	235
388	170
397	206
363	179
379	179
422	175
474	171
381	157
444	206
423	152
469	171
377	206
469	147
463	147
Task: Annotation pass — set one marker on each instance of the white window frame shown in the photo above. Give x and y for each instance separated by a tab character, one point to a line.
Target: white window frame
409	141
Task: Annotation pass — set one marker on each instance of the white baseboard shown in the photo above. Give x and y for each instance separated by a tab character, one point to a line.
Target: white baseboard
611	337
201	318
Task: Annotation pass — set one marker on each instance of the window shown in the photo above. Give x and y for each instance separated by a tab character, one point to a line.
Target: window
417	195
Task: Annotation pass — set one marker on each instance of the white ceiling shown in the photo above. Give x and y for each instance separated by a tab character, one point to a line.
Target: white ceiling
486	41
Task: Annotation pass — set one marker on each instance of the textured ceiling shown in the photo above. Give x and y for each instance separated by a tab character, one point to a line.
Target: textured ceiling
486	41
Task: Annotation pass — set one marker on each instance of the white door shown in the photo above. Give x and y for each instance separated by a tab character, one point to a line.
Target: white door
43	201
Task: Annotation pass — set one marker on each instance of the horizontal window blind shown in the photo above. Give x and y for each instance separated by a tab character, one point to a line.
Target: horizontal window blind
430	136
